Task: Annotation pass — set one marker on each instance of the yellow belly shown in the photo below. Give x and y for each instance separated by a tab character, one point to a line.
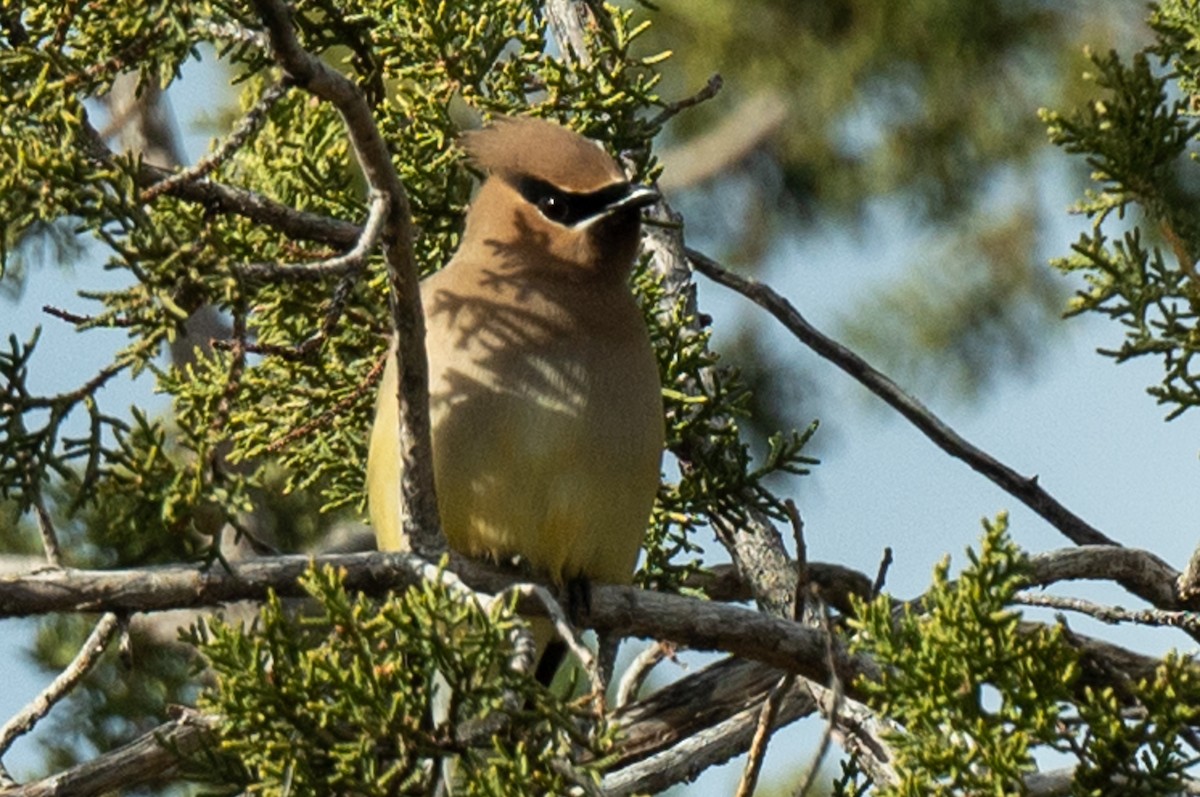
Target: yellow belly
542	450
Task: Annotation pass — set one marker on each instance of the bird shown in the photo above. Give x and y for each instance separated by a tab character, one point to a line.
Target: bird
545	400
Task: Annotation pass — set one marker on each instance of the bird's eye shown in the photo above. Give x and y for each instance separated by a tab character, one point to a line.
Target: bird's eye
553	207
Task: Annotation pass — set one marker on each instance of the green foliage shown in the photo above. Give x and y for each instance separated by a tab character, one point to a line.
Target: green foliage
1149	755
340	701
947	663
291	383
1135	135
704	402
975	694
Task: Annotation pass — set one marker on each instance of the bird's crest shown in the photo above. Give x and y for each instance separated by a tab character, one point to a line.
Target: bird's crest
514	146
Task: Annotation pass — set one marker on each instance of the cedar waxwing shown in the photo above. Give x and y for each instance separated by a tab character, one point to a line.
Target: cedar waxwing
545	400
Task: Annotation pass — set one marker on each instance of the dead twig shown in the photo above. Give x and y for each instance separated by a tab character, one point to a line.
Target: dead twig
25	720
1025	489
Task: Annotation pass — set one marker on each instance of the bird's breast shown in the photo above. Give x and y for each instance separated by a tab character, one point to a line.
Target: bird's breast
547	436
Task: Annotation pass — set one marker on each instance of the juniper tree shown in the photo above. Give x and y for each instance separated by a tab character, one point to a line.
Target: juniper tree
334	186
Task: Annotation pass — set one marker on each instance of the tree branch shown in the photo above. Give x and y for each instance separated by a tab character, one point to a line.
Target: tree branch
249	124
296	224
1025	489
350	262
418	497
699	720
1141	572
64	682
701	625
753	542
151	757
695	723
1113	615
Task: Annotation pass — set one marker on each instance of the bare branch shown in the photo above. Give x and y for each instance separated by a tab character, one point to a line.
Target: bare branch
802	585
698	722
24	721
246	127
351	262
762	734
1026	490
672	109
861	732
753	542
1113	615
82	320
742	131
702	625
829	702
46	529
639	670
1141	572
295	224
562	627
149	758
881	576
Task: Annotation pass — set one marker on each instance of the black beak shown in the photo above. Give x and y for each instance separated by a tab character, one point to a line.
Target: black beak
639	196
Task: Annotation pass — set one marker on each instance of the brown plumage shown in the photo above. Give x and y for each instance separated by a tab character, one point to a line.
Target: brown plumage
545	399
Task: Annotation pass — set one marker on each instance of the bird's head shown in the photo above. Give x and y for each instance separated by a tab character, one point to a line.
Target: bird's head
554	202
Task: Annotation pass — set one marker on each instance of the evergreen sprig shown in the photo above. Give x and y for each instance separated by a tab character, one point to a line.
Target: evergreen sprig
369	698
1136	136
975	695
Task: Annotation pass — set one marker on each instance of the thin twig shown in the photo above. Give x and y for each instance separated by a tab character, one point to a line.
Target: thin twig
46	529
639	670
714	85
562	627
1142	572
336	410
1113	615
831	711
681	739
1027	490
770	707
146	759
215	197
762	735
418	496
246	127
348	263
307	347
83	391
801	591
79	320
25	720
881	574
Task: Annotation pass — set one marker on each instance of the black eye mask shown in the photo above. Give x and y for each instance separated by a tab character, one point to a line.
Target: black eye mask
564	207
